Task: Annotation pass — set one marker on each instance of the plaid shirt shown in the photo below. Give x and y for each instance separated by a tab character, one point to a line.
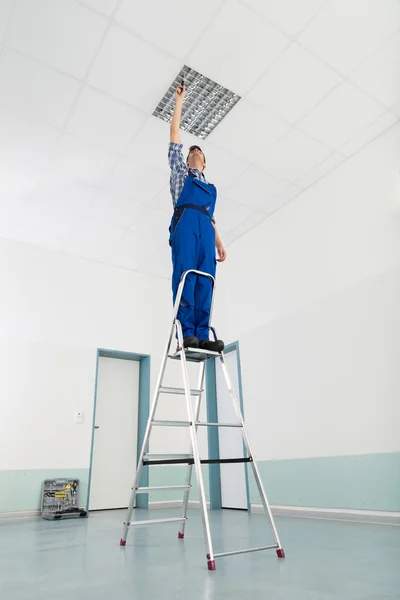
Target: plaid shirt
179	171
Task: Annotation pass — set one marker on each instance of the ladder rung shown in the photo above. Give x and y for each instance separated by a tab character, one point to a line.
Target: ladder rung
195	355
153	521
245	550
168	456
159	423
189	460
223	461
171	390
144	490
218	424
171	423
169	461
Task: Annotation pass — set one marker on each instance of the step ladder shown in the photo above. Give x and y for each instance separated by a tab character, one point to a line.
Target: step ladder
192	459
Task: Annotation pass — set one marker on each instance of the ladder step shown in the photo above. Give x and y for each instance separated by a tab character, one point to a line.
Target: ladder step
245	550
158	423
198	424
144	490
189	460
225	461
161	456
170	423
195	355
172	390
153	521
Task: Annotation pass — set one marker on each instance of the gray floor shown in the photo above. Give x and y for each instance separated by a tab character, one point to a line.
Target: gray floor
76	560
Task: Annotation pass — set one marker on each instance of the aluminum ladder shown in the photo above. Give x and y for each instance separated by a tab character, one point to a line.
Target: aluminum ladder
192	423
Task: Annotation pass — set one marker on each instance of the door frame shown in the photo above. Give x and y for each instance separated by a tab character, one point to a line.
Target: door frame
143	413
214	472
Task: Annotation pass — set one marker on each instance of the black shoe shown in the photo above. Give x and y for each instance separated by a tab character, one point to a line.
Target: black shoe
191	342
216	346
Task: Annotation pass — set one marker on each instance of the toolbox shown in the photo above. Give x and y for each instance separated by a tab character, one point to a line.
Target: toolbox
60	499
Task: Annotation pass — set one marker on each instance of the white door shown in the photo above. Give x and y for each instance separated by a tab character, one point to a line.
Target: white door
115	434
233	479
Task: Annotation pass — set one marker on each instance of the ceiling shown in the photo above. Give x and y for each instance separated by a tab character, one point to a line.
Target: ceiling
83	164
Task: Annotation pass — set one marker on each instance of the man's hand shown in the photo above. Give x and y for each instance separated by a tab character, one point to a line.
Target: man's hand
221	250
180	94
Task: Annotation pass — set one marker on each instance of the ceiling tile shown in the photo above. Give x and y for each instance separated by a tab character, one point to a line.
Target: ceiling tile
66	35
14	215
360	26
281	199
132	249
18	178
91	239
158	22
114	210
244	227
5	6
25	140
396	109
47	228
64	195
140	82
23	220
320	170
288	15
294	85
237	48
163	201
152	223
341	115
380	74
222	168
101	119
137	182
104	6
159	264
150	145
370	132
247	131
293	155
254	188
230	214
34	89
82	160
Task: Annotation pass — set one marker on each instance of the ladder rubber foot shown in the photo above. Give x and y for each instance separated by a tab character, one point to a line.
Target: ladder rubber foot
122	542
280	553
180	535
211	565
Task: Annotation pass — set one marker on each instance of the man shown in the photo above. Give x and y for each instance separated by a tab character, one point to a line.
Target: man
193	235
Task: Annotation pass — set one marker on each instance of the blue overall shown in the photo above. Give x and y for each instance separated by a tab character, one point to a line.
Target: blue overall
192	240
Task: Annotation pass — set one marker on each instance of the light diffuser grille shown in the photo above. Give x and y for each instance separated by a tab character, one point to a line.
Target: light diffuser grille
206	103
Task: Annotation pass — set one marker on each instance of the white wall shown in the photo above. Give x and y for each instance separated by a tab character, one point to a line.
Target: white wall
55	311
313	295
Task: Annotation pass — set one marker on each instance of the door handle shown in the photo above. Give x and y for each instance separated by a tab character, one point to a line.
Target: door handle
97	426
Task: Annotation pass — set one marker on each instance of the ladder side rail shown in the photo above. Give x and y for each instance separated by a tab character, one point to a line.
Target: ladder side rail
256	472
195	450
190	467
146	440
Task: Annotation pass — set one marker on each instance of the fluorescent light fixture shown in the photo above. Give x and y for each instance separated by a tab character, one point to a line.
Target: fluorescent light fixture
206	103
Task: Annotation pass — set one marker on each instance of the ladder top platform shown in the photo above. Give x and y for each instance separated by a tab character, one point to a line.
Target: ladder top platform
195	355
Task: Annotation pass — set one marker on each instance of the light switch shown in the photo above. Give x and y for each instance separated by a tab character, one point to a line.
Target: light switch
80	417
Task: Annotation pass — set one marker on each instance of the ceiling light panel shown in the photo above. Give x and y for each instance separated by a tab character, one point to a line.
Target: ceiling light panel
206	103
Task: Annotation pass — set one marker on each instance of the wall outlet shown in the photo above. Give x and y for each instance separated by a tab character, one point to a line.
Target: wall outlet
80	417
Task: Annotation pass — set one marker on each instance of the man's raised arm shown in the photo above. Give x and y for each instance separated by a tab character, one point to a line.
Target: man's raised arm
175	135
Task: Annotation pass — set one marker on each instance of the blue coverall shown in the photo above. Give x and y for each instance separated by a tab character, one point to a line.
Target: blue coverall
192	240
